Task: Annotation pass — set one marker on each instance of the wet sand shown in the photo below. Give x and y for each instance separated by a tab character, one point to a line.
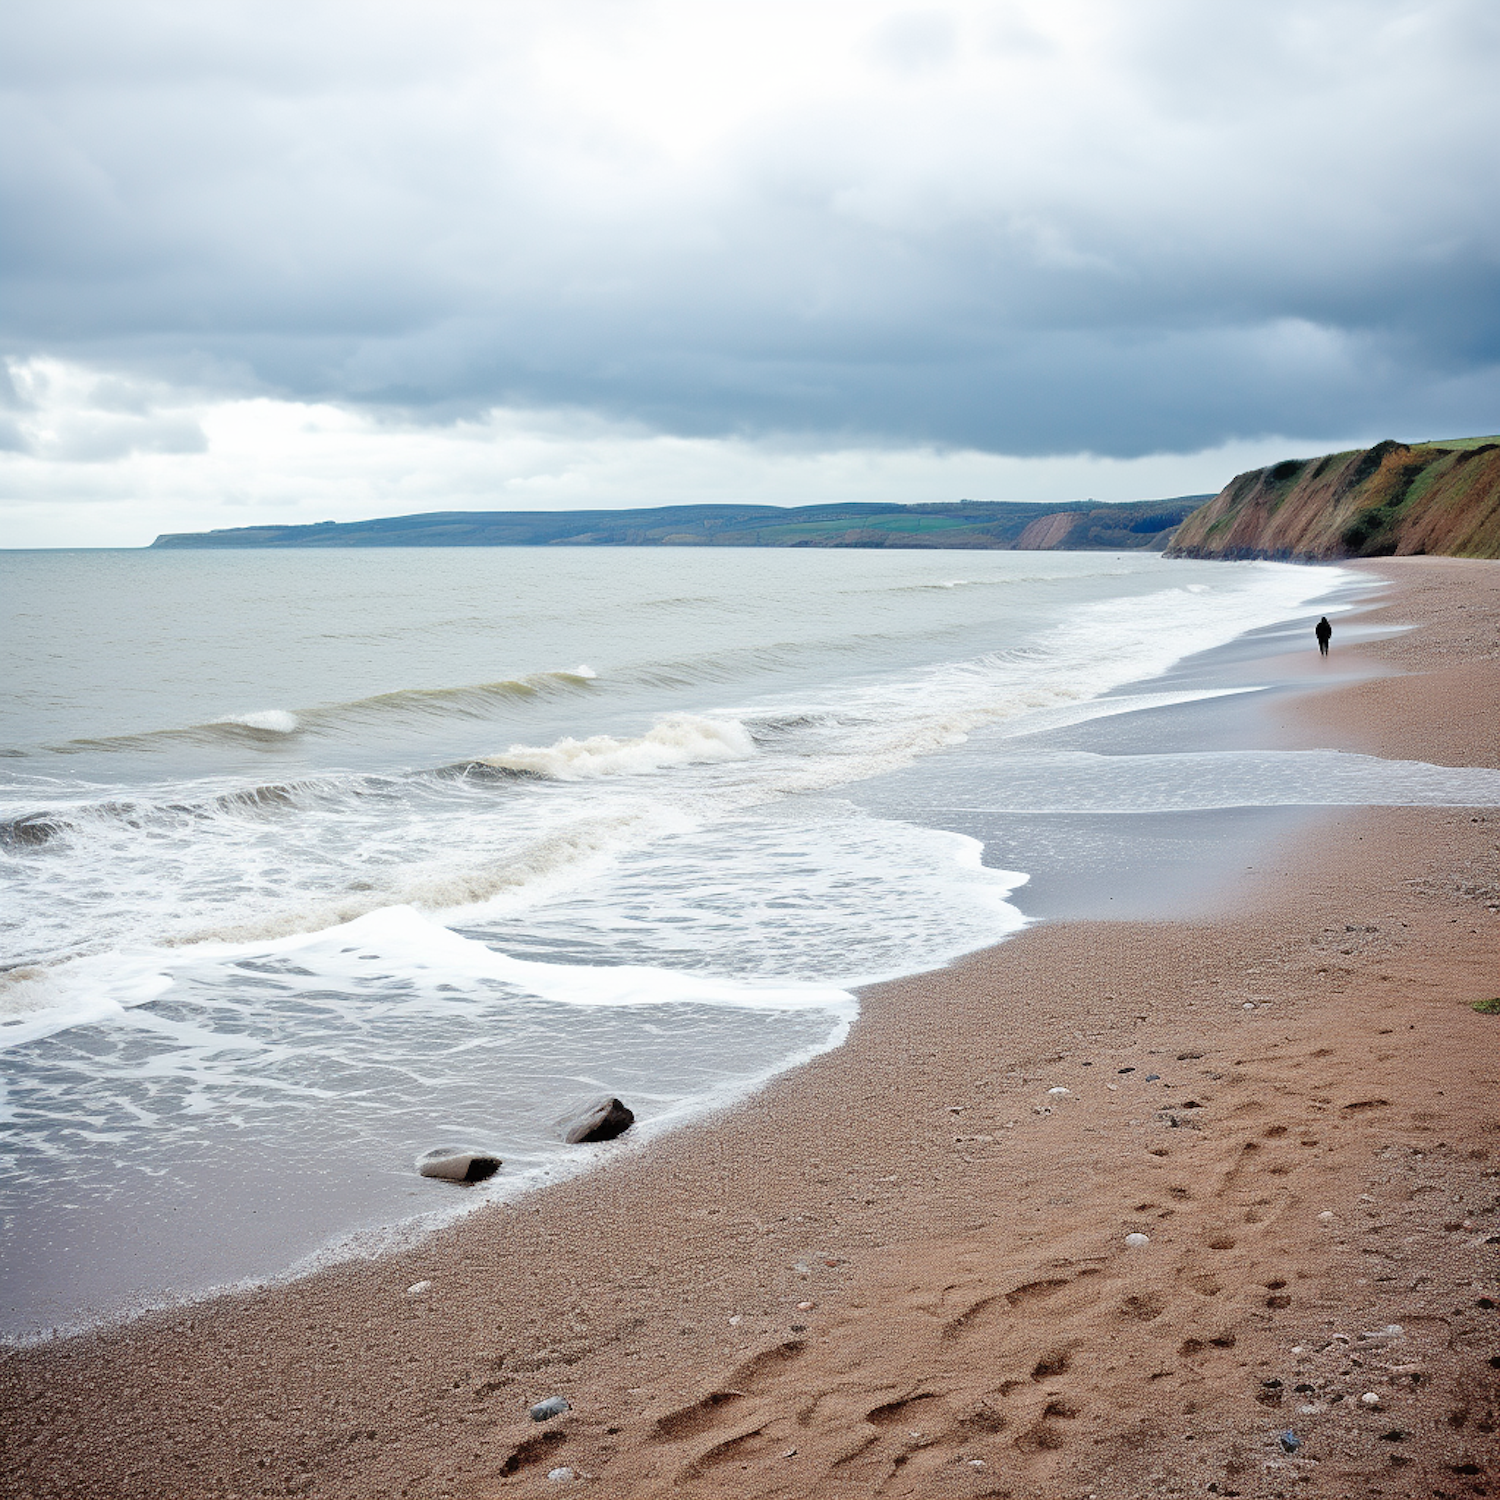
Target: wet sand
902	1270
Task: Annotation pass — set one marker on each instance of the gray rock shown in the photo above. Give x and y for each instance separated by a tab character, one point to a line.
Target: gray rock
1289	1441
453	1164
602	1120
553	1406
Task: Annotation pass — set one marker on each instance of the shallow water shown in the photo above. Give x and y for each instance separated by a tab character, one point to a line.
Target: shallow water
316	860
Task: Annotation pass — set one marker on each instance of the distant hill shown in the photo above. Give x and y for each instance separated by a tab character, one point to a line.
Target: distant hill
1027	526
1394	499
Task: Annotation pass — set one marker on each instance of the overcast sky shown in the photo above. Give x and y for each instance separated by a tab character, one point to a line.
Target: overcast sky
302	261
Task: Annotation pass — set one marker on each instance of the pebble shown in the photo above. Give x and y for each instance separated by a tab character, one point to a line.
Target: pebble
1326	1217
1059	1092
1370	1399
458	1164
1152	1077
736	1320
417	1288
1248	1005
561	1475
806	1306
1289	1441
553	1406
1137	1241
601	1120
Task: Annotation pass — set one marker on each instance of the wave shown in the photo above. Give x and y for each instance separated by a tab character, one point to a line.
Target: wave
270	720
276	725
30	830
680	740
475	701
526	875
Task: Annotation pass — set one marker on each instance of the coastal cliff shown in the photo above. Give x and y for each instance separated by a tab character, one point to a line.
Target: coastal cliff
1393	499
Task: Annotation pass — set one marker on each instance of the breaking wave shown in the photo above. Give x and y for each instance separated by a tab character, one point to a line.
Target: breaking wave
681	740
478	701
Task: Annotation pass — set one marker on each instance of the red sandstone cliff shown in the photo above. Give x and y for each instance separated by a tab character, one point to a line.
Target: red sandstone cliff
1389	500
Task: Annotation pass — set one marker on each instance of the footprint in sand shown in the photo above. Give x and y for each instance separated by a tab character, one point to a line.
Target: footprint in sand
742	1421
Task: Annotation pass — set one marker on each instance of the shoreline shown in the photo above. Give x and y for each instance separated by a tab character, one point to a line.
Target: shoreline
957	1228
260	1222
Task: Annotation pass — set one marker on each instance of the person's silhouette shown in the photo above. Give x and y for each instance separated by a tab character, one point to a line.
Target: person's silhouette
1324	632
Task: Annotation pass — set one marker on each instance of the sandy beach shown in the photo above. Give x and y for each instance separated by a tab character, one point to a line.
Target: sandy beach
904	1269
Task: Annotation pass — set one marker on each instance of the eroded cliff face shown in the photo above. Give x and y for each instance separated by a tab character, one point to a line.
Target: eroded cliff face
1389	500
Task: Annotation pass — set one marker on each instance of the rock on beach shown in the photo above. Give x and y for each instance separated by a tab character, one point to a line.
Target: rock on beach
601	1120
455	1165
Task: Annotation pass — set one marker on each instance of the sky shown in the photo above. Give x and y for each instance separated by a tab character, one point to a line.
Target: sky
276	261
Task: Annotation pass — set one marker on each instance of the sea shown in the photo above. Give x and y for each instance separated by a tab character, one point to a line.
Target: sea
313	861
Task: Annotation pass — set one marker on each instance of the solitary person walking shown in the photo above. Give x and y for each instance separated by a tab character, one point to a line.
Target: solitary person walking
1324	632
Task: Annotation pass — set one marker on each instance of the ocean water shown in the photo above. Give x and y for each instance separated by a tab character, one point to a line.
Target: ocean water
314	861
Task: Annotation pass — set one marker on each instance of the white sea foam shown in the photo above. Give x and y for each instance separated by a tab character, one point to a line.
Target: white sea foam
271	720
1078	781
680	740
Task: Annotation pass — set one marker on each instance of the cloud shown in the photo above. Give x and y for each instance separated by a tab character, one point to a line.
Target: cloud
265	459
1018	228
63	414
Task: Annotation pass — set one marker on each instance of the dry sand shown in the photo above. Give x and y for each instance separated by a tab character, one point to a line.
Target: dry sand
902	1270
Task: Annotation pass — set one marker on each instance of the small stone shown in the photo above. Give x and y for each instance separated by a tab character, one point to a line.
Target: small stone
1370	1399
1248	1005
1152	1077
455	1164
790	1453
553	1406
806	1306
1137	1241
601	1120
735	1321
1326	1217
417	1288
1289	1441
1059	1091
561	1476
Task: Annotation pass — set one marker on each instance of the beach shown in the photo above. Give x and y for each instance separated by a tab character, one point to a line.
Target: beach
903	1267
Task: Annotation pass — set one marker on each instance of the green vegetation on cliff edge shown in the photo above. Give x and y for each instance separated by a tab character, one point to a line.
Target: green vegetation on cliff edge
1395	499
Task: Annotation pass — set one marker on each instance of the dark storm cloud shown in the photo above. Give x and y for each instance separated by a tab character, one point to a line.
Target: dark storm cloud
1025	229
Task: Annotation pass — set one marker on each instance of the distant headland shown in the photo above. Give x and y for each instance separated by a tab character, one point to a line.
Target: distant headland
1395	499
1039	526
